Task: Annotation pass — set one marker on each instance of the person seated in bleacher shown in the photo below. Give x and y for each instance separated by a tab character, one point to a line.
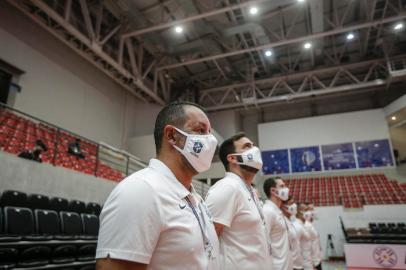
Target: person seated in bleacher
35	153
75	149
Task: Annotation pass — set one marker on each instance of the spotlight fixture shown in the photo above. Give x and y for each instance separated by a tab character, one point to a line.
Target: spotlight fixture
268	53
178	29
398	26
350	36
253	10
307	45
393	118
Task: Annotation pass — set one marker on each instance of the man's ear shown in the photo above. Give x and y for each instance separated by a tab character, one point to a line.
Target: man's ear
170	135
231	158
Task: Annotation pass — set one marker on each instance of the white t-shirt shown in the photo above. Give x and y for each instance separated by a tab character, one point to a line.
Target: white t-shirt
308	246
317	252
243	241
279	235
147	218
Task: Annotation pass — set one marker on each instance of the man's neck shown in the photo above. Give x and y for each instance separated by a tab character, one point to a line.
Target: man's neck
181	171
276	201
247	177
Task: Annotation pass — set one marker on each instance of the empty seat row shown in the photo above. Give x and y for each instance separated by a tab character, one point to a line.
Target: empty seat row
38	201
387	228
17	223
41	255
351	191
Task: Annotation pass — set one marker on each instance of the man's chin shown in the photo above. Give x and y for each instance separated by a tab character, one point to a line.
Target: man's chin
249	169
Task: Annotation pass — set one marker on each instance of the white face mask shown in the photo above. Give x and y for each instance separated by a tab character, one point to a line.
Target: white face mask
283	193
251	157
292	209
314	214
307	215
198	150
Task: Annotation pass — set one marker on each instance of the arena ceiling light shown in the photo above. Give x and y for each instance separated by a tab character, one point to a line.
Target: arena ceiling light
350	36
307	45
393	118
178	29
301	1
253	10
398	27
268	53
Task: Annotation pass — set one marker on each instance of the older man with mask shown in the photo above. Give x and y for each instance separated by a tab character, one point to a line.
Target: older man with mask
153	219
235	208
277	193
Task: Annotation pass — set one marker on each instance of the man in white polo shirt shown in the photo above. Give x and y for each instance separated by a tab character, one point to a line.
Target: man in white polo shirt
317	252
295	233
303	217
277	193
235	208
153	219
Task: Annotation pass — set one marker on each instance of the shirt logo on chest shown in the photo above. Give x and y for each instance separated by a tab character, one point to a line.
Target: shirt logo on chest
182	206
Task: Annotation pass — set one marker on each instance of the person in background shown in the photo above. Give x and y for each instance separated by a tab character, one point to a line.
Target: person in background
35	153
75	149
277	193
235	208
297	233
317	252
303	219
154	219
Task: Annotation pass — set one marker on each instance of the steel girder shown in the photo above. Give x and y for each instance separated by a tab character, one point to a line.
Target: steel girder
90	45
372	74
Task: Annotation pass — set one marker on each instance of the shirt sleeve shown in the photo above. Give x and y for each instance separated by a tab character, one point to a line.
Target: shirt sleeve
222	202
130	223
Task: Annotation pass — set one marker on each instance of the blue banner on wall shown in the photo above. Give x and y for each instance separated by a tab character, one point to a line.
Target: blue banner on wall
338	156
305	159
372	154
275	162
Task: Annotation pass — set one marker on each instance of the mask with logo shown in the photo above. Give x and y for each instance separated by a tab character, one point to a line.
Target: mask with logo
292	209
198	150
282	193
251	158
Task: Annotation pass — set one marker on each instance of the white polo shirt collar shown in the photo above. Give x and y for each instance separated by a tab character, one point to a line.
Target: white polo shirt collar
161	167
274	206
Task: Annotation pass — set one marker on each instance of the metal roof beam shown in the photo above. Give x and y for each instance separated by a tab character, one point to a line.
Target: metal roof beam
288	41
191	18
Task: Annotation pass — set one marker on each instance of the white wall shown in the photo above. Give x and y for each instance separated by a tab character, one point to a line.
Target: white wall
61	87
142	147
330	129
226	123
32	177
398	136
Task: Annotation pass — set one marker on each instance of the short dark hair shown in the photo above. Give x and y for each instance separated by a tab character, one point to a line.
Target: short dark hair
268	184
171	114
228	147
